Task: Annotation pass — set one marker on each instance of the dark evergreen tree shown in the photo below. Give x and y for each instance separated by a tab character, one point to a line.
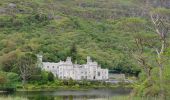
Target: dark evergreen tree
73	52
50	77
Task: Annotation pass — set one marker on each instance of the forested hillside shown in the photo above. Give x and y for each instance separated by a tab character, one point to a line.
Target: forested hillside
103	29
55	27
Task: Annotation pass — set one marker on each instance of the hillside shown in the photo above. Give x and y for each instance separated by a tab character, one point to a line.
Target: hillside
55	27
125	36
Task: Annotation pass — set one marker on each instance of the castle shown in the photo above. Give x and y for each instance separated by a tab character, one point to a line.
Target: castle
67	70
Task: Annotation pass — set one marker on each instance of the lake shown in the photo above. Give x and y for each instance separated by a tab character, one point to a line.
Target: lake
90	94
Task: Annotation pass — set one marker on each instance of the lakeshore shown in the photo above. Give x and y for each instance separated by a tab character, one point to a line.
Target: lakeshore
58	94
118	93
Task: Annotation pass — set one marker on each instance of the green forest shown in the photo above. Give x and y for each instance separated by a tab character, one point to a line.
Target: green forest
125	36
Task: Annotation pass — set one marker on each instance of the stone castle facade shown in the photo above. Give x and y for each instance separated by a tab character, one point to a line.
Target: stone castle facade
66	70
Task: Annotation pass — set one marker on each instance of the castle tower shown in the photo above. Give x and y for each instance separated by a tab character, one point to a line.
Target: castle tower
68	59
39	60
39	57
89	59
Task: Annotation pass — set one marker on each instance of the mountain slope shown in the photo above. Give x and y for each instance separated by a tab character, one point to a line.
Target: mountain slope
52	27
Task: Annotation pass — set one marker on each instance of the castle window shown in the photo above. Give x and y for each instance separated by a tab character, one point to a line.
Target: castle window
98	73
47	66
53	66
94	77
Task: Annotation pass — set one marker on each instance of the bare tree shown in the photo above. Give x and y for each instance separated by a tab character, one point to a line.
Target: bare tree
140	41
159	17
26	64
140	55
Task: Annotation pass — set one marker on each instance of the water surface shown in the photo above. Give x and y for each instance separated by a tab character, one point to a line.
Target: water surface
90	94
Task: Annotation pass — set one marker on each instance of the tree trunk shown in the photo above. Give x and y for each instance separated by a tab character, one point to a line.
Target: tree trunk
161	83
160	54
23	79
149	76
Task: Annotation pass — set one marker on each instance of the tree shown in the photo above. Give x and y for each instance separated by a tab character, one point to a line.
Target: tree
36	75
50	77
160	18
8	60
73	52
26	63
44	77
3	79
140	39
12	77
71	82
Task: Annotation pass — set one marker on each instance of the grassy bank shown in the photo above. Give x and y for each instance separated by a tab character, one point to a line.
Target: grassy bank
68	85
34	87
133	98
12	98
112	98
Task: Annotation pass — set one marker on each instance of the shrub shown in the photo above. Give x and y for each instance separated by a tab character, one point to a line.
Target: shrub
50	77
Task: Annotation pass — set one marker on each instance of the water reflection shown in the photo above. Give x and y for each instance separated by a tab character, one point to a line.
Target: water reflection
91	94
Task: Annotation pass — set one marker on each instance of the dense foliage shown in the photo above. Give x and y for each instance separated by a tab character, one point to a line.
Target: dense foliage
50	28
106	30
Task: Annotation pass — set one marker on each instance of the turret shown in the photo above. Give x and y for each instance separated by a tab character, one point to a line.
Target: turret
39	57
89	59
68	59
39	60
